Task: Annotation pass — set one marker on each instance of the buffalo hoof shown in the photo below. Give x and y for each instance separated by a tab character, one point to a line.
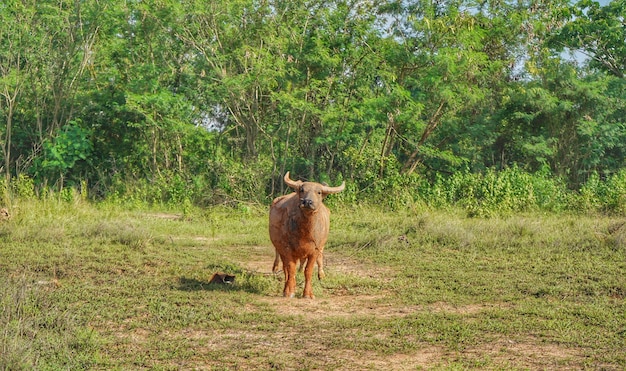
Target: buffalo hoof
321	275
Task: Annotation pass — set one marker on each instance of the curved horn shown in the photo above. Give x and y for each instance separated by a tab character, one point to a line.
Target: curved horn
291	183
327	189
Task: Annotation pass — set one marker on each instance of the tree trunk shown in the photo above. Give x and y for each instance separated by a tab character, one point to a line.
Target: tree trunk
7	144
387	143
434	121
10	99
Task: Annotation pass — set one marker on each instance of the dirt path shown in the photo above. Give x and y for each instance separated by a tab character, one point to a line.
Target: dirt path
338	304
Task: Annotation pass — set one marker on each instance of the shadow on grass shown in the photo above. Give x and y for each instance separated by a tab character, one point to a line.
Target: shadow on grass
192	284
244	282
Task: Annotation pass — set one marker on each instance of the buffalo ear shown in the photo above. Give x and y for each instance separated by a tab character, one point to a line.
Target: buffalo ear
324	194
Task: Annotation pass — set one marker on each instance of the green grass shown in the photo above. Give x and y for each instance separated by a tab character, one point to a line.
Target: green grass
98	287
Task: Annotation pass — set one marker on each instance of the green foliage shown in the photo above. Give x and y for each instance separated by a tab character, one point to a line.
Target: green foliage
607	196
599	31
544	120
24	187
200	103
71	147
483	194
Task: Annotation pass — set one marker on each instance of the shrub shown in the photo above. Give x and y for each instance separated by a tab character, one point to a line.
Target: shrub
607	196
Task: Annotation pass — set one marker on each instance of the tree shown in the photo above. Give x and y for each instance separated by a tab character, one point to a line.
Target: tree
16	61
598	32
452	59
46	45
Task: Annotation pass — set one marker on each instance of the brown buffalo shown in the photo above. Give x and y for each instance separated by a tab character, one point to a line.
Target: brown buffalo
299	225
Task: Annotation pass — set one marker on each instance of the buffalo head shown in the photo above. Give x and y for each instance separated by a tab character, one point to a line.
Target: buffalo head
310	194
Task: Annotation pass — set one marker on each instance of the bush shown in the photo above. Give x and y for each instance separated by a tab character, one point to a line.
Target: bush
492	192
614	193
233	183
607	196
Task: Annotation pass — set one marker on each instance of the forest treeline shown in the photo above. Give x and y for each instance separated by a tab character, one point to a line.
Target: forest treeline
212	101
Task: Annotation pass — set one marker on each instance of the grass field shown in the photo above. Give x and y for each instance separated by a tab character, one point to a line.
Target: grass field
99	287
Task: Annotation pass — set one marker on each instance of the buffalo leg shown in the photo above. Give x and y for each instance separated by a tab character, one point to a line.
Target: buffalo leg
276	262
301	264
320	266
290	278
308	274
